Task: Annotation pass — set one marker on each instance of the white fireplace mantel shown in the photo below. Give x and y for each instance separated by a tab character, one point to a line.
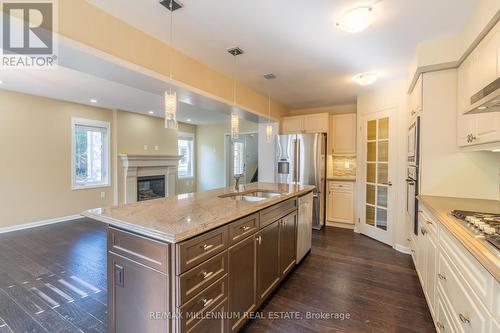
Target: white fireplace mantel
135	166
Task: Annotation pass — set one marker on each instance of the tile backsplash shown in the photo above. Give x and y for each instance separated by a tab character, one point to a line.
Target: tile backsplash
341	166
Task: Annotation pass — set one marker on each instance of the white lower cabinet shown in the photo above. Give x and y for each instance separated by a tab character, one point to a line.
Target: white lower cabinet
462	295
340	206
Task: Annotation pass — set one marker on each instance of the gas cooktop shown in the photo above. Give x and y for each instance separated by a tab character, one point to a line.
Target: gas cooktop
481	225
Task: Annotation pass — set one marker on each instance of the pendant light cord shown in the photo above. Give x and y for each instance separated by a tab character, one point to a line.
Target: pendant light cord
171	38
234	82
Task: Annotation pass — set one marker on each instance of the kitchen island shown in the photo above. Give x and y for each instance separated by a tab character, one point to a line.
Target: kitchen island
202	262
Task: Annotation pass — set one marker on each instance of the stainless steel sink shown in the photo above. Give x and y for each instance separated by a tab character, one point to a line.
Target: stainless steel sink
251	195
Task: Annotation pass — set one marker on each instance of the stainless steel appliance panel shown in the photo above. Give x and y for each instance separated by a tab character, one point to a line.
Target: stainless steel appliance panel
301	159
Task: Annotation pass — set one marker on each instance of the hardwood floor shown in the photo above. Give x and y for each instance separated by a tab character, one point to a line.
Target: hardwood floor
350	274
53	279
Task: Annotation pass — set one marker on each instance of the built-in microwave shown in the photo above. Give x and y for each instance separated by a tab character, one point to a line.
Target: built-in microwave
414	142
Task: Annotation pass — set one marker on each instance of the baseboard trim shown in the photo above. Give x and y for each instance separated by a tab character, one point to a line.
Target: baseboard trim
39	223
340	225
402	249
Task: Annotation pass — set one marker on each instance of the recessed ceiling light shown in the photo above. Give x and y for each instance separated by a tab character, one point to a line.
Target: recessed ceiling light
188	120
482	108
365	79
496	150
356	19
93	100
151	112
1	81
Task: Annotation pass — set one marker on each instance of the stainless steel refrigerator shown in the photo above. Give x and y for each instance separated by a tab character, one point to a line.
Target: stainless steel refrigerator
301	159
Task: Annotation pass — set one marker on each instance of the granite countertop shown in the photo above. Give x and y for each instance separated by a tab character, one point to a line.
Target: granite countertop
180	217
440	208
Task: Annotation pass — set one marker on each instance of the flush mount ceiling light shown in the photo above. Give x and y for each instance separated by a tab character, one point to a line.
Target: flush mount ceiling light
1	82
151	112
356	19
189	120
93	100
365	79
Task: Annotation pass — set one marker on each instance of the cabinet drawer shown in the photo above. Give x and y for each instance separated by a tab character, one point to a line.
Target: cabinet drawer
444	323
466	310
479	279
143	250
214	322
429	224
273	213
336	186
194	310
196	250
243	228
195	280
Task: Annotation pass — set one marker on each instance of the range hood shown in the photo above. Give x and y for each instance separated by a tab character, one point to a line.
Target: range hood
487	99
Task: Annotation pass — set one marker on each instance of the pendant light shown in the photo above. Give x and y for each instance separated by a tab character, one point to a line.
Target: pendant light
235	119
269	127
171	96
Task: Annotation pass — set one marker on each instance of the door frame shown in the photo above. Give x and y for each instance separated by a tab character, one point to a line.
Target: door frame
387	236
227	152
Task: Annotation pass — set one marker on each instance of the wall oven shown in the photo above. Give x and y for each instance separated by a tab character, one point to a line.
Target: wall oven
411	197
412	180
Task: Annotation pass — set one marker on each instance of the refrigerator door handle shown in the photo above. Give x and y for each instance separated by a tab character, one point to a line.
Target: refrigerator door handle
299	161
294	174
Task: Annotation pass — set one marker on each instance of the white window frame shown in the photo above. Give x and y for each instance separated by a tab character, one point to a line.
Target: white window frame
107	152
187	135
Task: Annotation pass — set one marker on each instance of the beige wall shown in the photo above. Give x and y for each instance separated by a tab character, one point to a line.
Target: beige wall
334	109
35	167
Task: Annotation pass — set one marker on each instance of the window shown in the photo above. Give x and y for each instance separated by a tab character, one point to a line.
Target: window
90	153
185	146
238	158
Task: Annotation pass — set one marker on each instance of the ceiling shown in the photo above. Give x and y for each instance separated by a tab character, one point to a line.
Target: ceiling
82	75
298	41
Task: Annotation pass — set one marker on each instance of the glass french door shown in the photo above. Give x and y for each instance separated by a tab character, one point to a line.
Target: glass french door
377	161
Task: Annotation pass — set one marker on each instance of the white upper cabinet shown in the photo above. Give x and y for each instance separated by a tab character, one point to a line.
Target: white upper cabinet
314	123
342	135
290	125
478	70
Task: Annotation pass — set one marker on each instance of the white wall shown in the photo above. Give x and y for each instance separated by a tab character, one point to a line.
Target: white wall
392	97
446	170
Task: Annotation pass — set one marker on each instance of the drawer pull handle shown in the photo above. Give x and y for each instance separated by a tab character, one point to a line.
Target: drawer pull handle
245	228
429	222
464	319
440	326
441	277
259	239
206	302
205	274
207	247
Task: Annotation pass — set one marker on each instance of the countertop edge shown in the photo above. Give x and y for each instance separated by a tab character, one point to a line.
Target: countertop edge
478	250
173	239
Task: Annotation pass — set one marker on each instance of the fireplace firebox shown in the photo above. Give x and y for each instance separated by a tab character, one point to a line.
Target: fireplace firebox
152	187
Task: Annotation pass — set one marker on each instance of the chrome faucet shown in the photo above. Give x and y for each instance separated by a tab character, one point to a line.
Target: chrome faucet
237	182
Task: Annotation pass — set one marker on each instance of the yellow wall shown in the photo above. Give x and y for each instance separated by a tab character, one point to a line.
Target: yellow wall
87	24
35	166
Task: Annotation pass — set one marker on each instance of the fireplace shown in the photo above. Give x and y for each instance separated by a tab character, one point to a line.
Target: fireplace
151	187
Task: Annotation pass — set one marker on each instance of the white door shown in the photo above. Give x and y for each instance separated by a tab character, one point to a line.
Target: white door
378	160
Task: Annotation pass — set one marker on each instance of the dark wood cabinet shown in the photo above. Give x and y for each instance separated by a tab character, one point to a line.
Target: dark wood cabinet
242	281
287	240
134	292
268	264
